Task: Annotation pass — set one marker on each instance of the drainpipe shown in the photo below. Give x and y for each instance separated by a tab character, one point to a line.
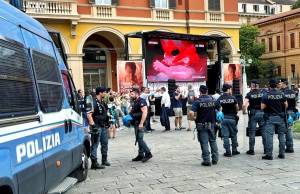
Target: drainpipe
187	16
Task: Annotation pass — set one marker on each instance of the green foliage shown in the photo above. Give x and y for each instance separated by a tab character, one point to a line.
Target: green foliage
296	5
250	49
266	71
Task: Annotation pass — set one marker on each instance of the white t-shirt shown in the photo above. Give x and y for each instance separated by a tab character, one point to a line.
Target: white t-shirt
166	100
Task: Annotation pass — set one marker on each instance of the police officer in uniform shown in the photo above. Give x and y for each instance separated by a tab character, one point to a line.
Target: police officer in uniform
229	106
99	121
203	110
253	101
274	104
139	113
291	98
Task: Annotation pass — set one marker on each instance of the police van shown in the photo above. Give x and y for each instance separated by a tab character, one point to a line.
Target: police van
42	139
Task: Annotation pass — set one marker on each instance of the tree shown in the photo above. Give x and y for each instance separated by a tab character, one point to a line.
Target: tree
296	5
251	49
267	71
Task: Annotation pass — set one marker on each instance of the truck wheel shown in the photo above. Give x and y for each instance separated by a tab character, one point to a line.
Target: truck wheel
82	171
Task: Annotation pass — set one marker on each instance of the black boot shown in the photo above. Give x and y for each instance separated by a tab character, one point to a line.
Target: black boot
235	153
250	152
227	154
104	161
95	165
147	157
281	156
138	158
206	163
289	150
266	157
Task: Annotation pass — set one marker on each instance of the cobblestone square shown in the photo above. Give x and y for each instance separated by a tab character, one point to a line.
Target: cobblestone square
176	167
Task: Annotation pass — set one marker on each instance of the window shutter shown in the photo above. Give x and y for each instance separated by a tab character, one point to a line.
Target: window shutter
115	2
92	1
152	3
172	4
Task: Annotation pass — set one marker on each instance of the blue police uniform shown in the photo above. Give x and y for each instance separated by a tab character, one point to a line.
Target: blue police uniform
255	117
274	114
100	135
229	124
136	114
205	122
291	98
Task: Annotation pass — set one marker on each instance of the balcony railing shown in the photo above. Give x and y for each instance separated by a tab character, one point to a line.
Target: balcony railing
104	11
215	17
57	7
162	14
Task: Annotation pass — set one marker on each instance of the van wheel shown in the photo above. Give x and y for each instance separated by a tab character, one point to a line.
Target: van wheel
82	171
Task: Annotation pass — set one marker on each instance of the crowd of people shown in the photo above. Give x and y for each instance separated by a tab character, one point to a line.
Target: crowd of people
272	109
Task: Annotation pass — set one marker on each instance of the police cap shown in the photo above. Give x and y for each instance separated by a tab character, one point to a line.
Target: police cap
273	83
255	81
226	87
203	89
100	89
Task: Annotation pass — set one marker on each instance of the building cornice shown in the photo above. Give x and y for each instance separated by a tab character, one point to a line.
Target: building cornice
145	22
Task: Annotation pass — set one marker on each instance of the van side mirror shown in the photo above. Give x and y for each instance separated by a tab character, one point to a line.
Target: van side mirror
89	103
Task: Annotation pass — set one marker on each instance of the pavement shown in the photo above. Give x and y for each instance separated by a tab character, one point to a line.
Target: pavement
176	167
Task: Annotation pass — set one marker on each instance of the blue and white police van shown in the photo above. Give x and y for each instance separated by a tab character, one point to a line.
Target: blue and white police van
42	138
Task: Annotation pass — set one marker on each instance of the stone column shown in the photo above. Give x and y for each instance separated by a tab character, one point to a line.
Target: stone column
76	66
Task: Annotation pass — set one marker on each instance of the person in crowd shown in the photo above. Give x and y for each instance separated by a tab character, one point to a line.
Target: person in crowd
177	108
217	94
190	100
124	103
252	107
145	95
292	111
139	112
204	114
152	107
274	105
112	110
227	103
98	119
165	108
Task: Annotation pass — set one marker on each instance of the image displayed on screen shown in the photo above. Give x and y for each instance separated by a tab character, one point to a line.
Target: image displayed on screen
130	75
175	59
232	72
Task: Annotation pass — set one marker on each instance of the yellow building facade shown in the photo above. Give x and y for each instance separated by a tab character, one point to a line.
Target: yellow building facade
93	33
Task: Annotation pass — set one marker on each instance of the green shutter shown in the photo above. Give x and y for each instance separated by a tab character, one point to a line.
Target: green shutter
92	1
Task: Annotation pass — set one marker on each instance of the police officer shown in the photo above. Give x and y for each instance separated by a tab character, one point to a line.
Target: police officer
274	104
229	106
99	121
291	98
252	103
204	111
139	113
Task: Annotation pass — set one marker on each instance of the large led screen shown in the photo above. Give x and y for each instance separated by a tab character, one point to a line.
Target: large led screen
175	59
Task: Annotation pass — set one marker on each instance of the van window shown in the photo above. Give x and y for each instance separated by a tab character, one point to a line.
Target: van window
38	43
16	81
10	30
48	81
71	92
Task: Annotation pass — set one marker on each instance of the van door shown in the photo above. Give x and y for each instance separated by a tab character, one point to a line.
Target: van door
20	131
74	120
